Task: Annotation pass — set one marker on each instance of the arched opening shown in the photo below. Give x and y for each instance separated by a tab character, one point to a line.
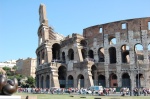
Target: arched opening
71	54
94	73
112	40
125	54
101	80
70	81
83	43
47	81
112	54
43	56
83	51
42	82
101	55
126	80
63	57
139	54
139	80
113	80
91	54
38	57
56	51
80	81
62	71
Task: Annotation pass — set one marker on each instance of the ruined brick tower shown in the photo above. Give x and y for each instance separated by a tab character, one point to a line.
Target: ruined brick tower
114	54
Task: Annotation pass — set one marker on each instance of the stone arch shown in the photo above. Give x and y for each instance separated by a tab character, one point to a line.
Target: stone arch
63	57
113	80
91	54
62	72
47	81
140	80
112	55
71	54
56	51
94	73
70	81
112	40
43	55
80	81
101	54
101	80
125	80
83	43
125	54
139	54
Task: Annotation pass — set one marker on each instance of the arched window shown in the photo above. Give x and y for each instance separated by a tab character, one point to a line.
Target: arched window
56	51
112	40
125	54
71	54
83	43
62	72
101	55
112	54
139	54
91	54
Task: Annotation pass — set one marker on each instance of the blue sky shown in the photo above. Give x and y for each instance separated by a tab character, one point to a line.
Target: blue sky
19	20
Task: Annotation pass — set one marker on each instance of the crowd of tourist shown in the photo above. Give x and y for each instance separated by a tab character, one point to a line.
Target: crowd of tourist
106	91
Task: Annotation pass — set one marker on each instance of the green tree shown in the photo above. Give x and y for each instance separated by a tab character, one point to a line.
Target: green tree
14	67
31	81
7	69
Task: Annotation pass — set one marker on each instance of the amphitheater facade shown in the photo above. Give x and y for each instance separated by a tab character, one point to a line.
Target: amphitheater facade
114	54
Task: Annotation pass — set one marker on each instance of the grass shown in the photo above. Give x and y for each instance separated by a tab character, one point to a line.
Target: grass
67	96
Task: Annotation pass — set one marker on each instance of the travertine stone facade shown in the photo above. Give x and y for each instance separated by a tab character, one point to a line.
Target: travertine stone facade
106	54
26	66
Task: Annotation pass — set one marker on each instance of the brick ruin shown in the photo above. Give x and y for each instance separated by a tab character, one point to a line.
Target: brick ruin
114	54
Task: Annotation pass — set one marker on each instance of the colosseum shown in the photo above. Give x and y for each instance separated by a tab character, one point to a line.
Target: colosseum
114	54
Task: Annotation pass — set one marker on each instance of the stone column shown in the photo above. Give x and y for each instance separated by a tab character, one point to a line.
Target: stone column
79	55
145	46
118	55
50	81
55	81
106	76
48	54
75	82
132	55
119	79
44	79
132	82
96	58
39	81
89	78
95	77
